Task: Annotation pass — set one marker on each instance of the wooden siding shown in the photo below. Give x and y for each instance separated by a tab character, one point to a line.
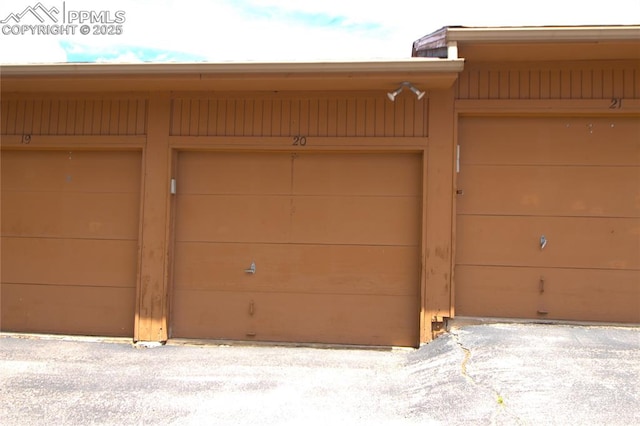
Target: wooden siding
77	116
356	115
588	80
337	258
575	180
508	292
70	241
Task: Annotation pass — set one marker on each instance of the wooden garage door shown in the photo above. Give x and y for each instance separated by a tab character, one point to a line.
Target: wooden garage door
575	181
69	241
334	238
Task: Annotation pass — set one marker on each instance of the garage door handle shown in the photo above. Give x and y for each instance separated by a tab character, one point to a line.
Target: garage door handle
252	268
543	242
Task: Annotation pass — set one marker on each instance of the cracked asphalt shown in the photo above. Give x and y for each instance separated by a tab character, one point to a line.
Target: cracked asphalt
499	374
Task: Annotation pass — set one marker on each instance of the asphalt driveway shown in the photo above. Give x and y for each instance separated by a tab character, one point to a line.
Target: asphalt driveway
482	374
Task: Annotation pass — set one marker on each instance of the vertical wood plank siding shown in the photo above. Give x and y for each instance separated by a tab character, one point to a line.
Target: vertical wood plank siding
550	81
83	117
342	115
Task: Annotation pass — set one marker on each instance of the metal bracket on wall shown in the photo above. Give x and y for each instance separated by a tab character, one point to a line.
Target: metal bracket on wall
542	310
543	242
251	269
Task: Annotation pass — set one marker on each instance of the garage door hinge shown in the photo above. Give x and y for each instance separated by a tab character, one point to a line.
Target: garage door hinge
173	186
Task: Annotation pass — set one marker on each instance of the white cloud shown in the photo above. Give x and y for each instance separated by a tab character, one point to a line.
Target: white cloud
127	57
31	49
225	30
271	30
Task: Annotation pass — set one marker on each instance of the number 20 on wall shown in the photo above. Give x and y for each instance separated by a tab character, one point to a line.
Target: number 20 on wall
299	141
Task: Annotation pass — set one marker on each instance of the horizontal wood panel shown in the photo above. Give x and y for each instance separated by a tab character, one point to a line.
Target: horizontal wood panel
99	311
355	114
357	220
110	263
74	142
297	268
569	294
233	173
223	218
246	144
550	191
604	141
547	107
572	242
54	116
70	214
349	319
71	171
313	174
283	219
357	174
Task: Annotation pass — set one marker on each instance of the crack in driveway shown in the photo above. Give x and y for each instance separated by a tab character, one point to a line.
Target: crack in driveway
465	360
498	398
487	374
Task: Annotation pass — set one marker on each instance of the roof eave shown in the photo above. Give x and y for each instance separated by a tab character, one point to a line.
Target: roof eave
354	75
226	68
544	34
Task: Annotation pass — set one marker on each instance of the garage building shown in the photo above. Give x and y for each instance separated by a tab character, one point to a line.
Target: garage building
495	173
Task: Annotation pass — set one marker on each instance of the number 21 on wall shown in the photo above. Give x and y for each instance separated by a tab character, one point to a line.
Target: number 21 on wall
616	103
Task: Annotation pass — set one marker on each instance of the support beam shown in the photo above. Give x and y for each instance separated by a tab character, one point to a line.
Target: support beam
151	309
439	212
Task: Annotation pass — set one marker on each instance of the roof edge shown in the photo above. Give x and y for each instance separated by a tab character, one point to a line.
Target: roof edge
441	37
246	68
545	34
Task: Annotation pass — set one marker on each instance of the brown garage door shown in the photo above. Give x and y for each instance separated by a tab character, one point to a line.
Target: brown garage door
69	241
334	239
572	182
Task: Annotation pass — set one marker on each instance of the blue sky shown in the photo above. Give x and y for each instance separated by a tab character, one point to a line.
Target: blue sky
280	30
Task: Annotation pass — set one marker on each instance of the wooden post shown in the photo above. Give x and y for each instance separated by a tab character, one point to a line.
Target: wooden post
151	308
438	260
